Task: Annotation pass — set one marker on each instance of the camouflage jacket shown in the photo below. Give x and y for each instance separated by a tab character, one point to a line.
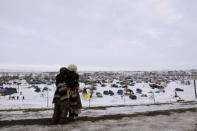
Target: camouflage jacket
60	93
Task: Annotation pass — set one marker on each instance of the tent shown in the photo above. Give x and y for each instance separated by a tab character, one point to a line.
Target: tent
6	91
138	91
45	89
37	89
157	91
143	95
9	91
2	90
120	92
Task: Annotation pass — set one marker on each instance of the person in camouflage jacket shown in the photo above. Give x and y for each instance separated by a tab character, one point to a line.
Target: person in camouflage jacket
61	100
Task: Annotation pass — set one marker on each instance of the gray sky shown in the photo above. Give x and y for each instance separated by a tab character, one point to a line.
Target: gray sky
115	34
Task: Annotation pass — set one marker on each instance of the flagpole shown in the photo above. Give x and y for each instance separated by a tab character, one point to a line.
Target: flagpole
89	103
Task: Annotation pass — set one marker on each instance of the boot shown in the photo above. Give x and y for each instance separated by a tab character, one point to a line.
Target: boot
71	116
75	116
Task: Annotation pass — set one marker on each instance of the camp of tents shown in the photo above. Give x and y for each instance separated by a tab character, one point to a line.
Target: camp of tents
7	91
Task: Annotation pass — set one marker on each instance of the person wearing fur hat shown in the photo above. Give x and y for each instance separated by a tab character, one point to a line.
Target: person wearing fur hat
60	99
74	100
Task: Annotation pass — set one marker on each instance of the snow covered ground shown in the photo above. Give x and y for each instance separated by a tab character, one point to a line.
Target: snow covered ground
186	121
44	99
107	105
95	112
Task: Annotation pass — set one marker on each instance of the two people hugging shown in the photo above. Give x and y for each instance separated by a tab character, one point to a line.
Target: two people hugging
66	98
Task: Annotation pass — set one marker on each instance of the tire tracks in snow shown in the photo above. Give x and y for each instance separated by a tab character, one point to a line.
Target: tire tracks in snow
48	121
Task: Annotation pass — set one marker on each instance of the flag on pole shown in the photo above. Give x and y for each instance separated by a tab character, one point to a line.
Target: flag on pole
87	97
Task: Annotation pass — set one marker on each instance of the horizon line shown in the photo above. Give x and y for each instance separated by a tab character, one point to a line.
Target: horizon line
55	68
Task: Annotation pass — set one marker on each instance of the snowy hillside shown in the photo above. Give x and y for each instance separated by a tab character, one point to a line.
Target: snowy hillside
43	99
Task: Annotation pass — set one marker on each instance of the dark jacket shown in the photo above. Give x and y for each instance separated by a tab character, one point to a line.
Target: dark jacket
73	83
64	80
72	79
61	87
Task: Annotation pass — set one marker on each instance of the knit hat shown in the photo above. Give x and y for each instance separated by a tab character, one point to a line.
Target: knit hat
72	67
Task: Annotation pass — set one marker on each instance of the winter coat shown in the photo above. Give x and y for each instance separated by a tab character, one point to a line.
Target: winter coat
61	87
68	80
72	82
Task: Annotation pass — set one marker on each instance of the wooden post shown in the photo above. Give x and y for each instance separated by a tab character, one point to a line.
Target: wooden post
124	99
18	88
195	88
154	97
48	97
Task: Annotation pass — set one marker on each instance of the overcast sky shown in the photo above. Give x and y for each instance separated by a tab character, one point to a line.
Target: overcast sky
115	34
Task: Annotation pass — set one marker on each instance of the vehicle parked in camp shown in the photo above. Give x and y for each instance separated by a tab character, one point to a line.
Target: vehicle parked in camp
106	92
103	85
128	92
124	86
133	97
114	85
178	89
37	89
111	93
132	84
98	94
93	88
153	86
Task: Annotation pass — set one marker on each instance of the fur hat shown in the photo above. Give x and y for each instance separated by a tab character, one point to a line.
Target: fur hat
62	69
72	67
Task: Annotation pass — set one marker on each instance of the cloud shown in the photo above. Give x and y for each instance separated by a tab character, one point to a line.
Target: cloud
113	33
55	68
22	67
18	30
